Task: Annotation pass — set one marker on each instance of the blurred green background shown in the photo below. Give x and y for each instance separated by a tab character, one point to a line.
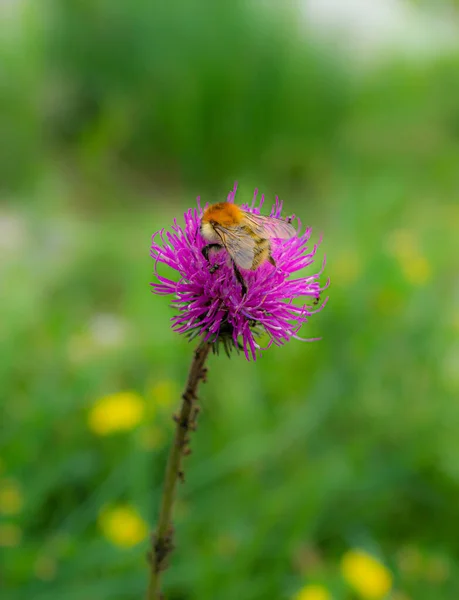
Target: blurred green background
114	117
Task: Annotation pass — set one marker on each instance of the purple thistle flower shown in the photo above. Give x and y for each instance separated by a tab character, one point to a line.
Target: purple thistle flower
210	302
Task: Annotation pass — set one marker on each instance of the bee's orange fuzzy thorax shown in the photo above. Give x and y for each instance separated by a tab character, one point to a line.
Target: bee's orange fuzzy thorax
224	213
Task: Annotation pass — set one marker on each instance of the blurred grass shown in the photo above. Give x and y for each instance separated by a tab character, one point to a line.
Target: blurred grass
115	116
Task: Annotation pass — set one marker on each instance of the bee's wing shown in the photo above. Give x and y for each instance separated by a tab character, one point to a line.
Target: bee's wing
269	227
239	244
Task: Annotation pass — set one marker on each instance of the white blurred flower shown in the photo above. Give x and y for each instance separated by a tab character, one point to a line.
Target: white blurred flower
371	28
13	232
103	333
108	330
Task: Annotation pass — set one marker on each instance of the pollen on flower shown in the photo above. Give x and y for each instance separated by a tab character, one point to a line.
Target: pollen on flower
122	526
369	577
117	412
209	298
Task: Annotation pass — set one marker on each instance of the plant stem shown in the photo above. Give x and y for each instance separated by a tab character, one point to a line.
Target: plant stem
162	540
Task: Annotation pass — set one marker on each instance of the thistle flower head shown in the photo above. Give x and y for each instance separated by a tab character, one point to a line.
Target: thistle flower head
210	300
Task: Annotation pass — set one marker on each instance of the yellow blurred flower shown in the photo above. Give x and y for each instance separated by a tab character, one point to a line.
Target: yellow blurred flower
226	545
416	269
165	393
347	268
45	568
152	438
123	526
118	412
312	592
410	561
403	244
369	578
11	498
307	558
437	569
10	535
417	566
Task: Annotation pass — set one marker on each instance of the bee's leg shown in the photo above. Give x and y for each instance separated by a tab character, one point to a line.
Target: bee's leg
240	279
205	251
271	260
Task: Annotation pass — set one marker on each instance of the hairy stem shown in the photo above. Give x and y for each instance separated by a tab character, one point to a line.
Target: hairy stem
162	540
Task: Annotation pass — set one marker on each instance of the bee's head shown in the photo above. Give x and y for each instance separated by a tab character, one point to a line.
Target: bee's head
208	232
